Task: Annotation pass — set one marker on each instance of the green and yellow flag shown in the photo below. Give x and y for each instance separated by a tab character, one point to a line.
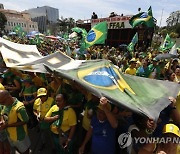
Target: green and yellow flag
131	45
143	18
97	35
167	44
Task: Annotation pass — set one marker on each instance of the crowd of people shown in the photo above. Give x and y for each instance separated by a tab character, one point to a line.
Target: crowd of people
75	120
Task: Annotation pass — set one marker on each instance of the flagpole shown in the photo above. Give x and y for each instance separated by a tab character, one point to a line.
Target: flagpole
161	18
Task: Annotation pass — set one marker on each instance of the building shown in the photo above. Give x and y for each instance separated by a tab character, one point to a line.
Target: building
173	19
44	16
120	31
15	18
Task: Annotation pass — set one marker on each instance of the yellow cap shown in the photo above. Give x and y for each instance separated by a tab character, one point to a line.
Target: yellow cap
171	128
133	60
41	92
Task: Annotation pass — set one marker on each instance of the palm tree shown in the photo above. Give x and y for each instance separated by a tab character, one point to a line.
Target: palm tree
66	24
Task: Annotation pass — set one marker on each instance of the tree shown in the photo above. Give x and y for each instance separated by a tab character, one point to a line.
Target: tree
173	35
66	24
178	29
164	32
3	21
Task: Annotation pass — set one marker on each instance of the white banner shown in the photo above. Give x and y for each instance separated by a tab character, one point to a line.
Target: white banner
15	54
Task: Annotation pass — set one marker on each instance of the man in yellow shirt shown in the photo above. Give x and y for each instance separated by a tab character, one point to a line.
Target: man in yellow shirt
132	68
41	106
16	124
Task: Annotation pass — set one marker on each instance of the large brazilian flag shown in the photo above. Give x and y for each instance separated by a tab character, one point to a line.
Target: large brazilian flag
141	95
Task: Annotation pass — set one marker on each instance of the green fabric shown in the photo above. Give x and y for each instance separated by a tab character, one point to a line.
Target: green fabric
141	95
168	44
151	68
20	129
59	149
59	121
19	31
97	35
143	18
131	45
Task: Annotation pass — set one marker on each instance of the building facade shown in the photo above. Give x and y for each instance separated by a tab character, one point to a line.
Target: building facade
15	18
173	19
44	16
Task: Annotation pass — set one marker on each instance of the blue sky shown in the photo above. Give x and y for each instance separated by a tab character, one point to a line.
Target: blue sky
82	9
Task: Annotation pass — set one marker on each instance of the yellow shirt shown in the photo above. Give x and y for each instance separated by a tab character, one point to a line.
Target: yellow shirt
131	71
86	121
1	87
43	108
69	119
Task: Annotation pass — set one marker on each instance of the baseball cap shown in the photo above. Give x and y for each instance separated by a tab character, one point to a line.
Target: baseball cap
41	92
133	60
171	128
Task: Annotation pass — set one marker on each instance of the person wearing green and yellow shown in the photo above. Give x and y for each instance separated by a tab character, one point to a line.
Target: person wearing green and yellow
16	123
41	106
63	124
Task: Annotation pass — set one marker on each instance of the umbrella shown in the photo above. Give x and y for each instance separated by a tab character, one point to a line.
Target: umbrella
52	37
32	33
40	34
165	56
122	45
12	33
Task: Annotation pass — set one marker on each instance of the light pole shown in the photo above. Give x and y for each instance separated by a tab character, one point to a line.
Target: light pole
161	18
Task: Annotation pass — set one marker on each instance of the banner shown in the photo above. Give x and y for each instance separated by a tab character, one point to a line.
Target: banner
141	95
15	54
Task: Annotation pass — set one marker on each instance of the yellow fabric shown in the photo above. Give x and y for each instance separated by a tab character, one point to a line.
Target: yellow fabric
1	87
178	149
43	108
69	119
86	121
38	81
130	71
177	79
12	118
178	102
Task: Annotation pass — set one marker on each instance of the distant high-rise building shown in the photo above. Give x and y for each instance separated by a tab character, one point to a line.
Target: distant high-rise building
43	16
173	19
1	6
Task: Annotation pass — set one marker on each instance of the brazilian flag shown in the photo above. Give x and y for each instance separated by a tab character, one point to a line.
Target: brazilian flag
143	18
167	44
131	45
97	35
